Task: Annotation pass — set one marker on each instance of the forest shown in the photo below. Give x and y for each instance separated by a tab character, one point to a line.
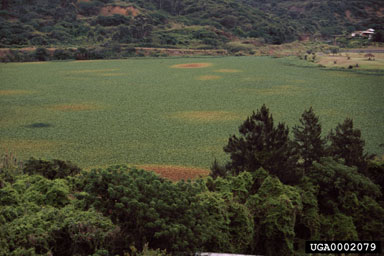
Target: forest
180	23
277	190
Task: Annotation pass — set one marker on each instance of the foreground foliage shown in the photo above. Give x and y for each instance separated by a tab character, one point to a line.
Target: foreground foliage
53	208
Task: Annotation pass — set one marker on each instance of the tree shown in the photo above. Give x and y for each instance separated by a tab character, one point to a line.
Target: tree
151	210
378	36
37	217
340	186
348	202
308	141
217	170
260	144
275	207
346	143
41	54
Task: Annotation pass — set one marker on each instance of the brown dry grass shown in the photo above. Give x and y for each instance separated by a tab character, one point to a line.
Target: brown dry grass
206	116
228	70
13	92
351	59
75	107
176	173
208	77
192	65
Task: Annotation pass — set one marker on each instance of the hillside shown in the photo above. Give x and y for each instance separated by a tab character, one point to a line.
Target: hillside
180	23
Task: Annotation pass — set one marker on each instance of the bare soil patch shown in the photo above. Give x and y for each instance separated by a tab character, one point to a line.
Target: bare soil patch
208	77
192	65
176	173
349	16
206	116
112	10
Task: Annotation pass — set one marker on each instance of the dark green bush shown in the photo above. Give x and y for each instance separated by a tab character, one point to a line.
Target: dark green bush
42	54
55	169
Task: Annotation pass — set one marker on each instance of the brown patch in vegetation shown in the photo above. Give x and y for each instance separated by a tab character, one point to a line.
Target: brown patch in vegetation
207	116
74	107
112	10
228	70
192	65
176	173
208	77
13	92
348	14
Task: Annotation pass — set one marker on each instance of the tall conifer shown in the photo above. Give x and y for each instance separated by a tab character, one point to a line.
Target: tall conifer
346	143
261	144
308	141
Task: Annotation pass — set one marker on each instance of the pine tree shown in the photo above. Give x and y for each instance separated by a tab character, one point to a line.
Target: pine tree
308	141
260	144
346	143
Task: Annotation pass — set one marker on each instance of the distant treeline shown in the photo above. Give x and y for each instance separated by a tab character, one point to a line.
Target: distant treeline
114	51
46	54
275	192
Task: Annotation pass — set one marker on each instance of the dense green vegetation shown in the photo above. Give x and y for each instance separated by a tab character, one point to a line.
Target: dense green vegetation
179	23
246	206
143	111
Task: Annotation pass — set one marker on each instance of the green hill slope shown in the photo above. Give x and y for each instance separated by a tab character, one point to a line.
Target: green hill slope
179	23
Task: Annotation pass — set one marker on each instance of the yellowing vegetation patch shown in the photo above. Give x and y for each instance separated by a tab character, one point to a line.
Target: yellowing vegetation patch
228	70
30	63
192	65
176	173
92	71
75	107
206	116
208	77
112	74
19	145
284	89
14	92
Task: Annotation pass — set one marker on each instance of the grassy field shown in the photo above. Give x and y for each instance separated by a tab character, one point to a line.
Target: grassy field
344	60
170	112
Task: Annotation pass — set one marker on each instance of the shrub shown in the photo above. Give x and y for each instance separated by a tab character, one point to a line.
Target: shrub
55	169
61	54
41	54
